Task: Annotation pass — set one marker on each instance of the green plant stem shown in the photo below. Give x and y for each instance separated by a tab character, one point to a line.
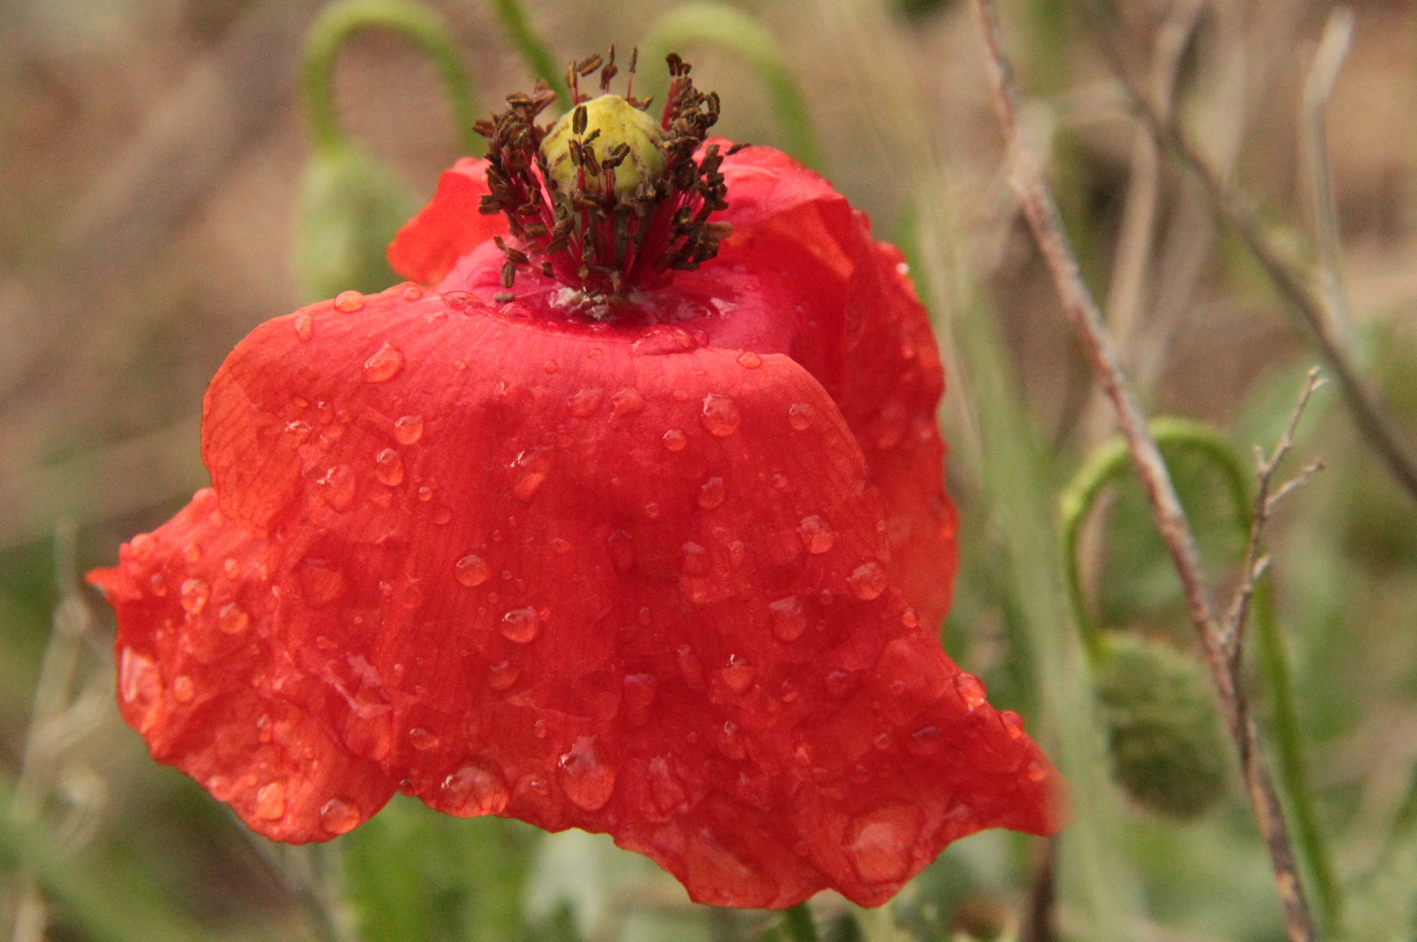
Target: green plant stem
708	21
343	18
797	924
533	50
1108	463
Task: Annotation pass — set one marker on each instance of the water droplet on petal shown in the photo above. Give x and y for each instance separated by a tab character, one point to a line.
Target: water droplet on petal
712	493
425	494
779	481
909	619
550	366
195	593
867	581
383	365
471	570
800	416
477	788
338	816
750	360
665	789
528	484
270	801
388	467
730	740
970	688
584	402
142	545
585	776
321	582
502	676
304	327
816	535
696	560
662	339
409	429
882	842
412	293
521	625
191	552
1035	772
1013	723
651	510
738	676
720	415
675	439
789	620
621	549
232	618
182	689
347	302
442	515
422	739
626	402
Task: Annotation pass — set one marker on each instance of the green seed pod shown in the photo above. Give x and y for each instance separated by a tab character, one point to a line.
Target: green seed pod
1162	724
350	209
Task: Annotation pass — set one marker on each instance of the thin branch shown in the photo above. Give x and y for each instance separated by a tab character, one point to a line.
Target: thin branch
1374	421
1039	207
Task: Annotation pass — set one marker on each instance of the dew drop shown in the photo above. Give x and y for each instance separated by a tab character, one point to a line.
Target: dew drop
232	618
388	467
521	625
750	360
621	548
1035	772
626	402
477	788
816	535
1013	723
882	842
347	302
789	620
409	429
837	683
559	545
191	552
321	582
651	510
442	515
779	481
550	366
909	619
696	560
712	493
662	339
584	402
585	776
270	801
867	581
142	545
338	816
425	494
720	415
471	570
502	676
304	327
800	416
182	689
528	484
738	676
412	293
195	593
383	365
665	790
675	440
422	739
539	729
970	688
737	552
730	740
338	487
230	567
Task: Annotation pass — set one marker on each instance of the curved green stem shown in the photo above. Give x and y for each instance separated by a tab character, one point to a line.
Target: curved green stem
340	20
797	924
718	23
533	50
1108	463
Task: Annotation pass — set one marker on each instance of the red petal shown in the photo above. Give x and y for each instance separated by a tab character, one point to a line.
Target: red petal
603	579
448	227
207	672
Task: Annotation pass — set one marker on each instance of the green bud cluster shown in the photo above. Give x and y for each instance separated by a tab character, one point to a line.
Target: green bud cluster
1163	726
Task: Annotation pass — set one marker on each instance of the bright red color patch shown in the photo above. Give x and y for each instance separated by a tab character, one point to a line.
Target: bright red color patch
677	578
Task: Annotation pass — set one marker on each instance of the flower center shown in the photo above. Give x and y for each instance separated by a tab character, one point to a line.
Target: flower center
607	200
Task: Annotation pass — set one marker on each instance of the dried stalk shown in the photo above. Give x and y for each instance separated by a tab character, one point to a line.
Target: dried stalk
1041	211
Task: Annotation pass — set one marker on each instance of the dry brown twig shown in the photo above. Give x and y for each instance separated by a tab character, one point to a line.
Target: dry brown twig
1038	206
1314	305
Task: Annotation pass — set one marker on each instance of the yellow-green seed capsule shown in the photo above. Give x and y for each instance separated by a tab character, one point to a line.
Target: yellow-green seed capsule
626	134
1163	726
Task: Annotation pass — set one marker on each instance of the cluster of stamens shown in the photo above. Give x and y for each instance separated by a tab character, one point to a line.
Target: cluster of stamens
607	200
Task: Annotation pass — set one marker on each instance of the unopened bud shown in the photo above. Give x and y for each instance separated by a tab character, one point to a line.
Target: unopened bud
1162	724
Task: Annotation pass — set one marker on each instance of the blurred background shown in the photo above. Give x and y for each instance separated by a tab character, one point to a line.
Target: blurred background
151	158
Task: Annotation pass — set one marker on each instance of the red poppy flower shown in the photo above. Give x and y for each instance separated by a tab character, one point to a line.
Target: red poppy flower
662	555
